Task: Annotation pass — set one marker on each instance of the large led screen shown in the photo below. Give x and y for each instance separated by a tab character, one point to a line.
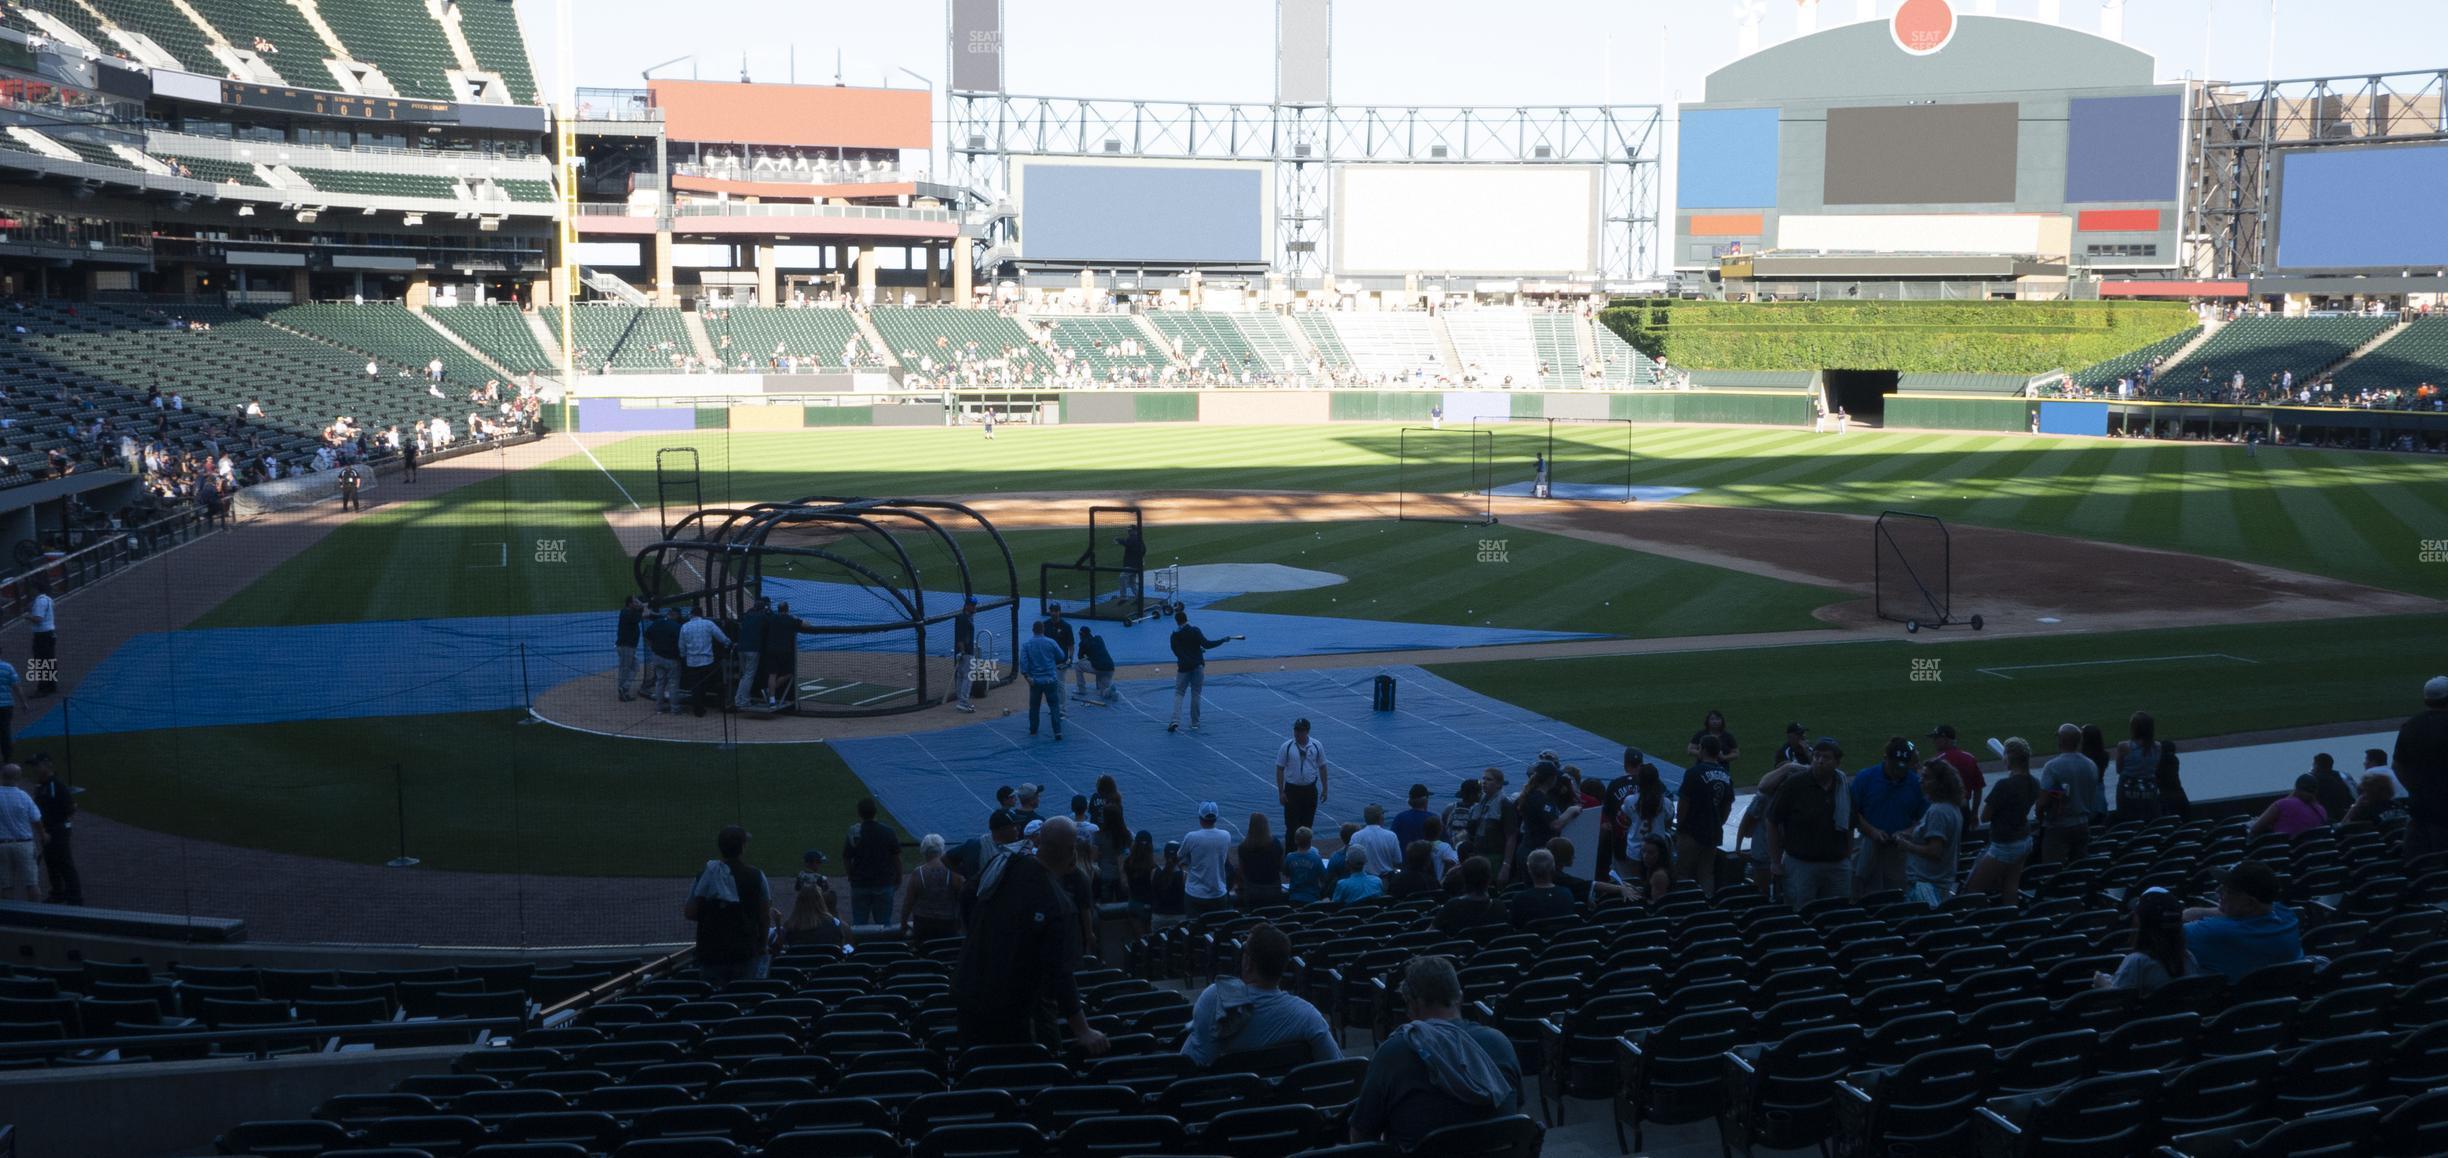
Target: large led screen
2124	148
1135	214
1921	155
2374	208
1727	159
1466	219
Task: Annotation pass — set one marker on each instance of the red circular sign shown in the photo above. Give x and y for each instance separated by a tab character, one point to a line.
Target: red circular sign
1922	27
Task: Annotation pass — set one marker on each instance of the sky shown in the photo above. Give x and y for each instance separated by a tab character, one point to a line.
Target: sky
1401	52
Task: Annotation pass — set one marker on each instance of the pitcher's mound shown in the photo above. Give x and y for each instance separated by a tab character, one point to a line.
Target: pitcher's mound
1241	578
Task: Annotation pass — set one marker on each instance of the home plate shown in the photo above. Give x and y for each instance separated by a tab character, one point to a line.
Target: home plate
1242	578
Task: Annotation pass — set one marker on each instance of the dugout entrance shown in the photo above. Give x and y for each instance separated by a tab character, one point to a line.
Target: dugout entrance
1861	394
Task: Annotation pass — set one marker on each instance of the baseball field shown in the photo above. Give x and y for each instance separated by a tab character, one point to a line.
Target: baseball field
2226	592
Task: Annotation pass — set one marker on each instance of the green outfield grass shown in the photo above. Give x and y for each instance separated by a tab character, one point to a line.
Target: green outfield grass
1544	583
2196	681
481	793
2355	516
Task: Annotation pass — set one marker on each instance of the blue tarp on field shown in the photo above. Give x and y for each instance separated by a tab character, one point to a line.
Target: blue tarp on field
262	675
1439	735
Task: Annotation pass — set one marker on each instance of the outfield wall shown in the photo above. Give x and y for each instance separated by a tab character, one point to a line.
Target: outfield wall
1216	407
2094	418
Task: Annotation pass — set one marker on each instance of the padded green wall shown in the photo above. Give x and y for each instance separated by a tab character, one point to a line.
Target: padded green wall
1165	406
837	416
1376	406
1921	412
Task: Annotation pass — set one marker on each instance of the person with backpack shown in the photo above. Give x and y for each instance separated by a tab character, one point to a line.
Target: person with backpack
732	907
2137	769
1701	807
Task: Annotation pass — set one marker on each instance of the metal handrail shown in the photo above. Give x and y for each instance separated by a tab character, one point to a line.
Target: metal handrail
272	1035
86	566
766	209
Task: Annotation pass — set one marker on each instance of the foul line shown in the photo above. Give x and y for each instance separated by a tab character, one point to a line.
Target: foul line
2000	672
608	475
634	505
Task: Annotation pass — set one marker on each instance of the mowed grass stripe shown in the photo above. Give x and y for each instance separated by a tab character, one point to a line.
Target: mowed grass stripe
1835	480
2104	509
2318	522
1698	462
2375	522
2206	505
2264	512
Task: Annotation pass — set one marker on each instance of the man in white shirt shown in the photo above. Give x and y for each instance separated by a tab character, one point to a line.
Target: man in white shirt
699	673
1300	778
1384	849
1204	851
21	840
43	670
2376	763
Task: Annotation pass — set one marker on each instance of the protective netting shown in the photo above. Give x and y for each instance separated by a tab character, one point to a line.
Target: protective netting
1445	474
1913	569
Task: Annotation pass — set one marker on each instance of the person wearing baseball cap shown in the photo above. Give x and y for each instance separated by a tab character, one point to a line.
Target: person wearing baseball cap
1967	767
2421	761
1887	800
1409	822
1797	748
1029	795
2249	929
1205	851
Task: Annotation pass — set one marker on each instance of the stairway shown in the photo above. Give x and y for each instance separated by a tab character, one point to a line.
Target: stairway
545	335
1445	346
614	288
452	336
2209	330
694	323
2357	353
874	340
1157	341
1300	343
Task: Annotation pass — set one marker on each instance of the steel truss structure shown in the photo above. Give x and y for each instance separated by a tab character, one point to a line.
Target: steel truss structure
1305	142
2239	129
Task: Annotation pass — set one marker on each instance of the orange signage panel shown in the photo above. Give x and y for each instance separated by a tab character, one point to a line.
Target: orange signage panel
805	115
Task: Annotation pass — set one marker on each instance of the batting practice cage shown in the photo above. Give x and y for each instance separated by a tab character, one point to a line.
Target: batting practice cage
1445	475
1586	459
1913	571
870	585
